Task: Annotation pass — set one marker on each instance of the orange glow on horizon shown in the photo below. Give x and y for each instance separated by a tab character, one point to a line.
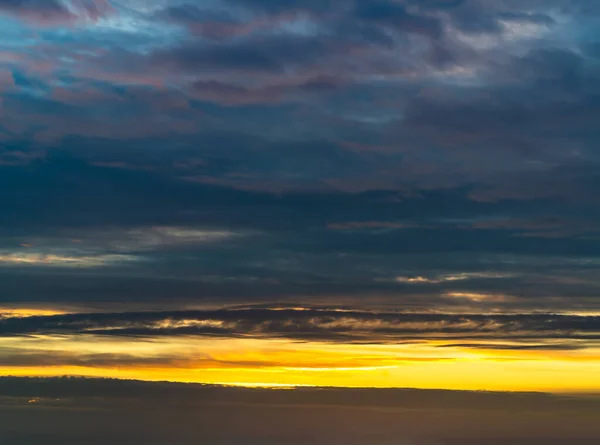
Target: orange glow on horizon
29	312
283	363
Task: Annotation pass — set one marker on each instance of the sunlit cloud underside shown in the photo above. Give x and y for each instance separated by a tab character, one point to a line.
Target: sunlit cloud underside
308	347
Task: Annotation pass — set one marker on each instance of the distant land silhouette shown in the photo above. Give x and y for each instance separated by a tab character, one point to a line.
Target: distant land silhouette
76	411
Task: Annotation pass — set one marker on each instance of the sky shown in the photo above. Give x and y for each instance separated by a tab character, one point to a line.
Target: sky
284	193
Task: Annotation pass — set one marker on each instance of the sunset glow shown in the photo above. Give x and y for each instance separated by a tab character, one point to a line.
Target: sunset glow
387	209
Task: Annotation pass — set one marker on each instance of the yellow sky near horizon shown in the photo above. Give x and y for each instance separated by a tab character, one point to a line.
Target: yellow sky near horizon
279	362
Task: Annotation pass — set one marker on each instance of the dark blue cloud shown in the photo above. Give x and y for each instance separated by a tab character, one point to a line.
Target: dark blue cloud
55	12
323	325
305	149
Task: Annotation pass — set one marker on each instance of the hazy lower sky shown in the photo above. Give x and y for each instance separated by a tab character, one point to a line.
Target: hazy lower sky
356	193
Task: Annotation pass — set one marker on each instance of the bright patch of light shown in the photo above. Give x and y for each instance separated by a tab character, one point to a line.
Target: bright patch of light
464	276
479	297
59	260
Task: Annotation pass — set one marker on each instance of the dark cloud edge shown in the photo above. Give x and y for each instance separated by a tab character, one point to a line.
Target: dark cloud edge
54	388
490	331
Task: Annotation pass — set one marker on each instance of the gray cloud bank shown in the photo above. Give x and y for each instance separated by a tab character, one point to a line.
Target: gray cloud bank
527	331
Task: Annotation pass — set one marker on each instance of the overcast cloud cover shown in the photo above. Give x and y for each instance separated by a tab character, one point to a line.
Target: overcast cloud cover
317	192
340	171
254	151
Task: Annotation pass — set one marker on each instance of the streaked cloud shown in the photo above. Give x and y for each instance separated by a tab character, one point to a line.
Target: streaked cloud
60	260
319	325
479	297
55	12
164	236
452	277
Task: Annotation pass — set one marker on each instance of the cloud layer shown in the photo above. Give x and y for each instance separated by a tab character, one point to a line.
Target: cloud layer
525	331
429	166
